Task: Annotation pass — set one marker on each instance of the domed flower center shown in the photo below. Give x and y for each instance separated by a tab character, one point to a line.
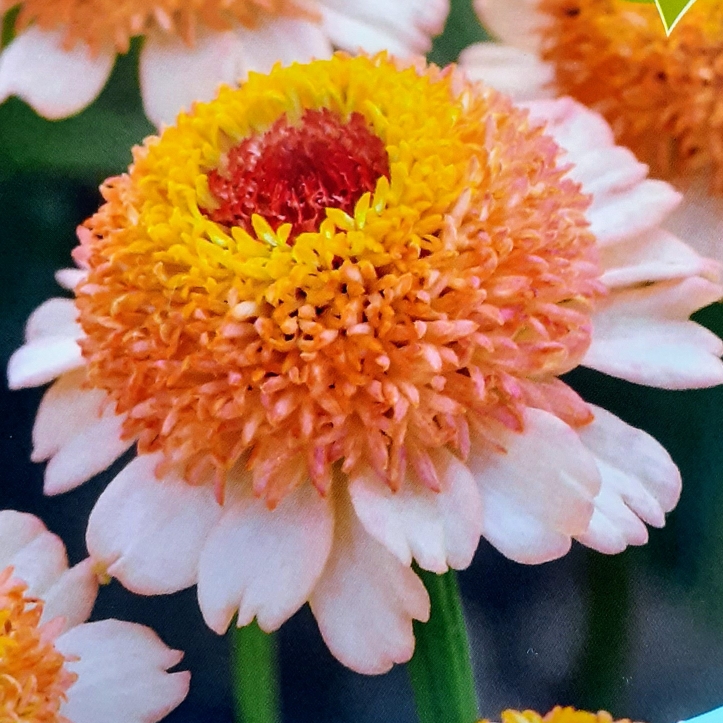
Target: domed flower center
660	94
292	174
33	678
440	259
558	715
102	23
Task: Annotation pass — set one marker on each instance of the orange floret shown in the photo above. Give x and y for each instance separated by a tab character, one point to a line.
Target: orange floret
558	715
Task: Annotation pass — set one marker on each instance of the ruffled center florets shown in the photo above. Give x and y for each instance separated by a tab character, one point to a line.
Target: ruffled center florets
409	280
33	678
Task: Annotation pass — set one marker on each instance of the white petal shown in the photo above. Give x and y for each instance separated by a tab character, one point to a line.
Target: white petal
70	278
121	674
17	529
366	600
90	451
263	563
517	73
54	81
644	335
72	596
66	409
42	360
538	494
401	28
437	529
654	256
41	562
514	21
54	317
174	75
699	219
283	40
149	532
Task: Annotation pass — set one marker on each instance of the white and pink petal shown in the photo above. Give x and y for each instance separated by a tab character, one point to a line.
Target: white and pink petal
262	563
56	81
537	487
438	529
366	599
121	669
149	532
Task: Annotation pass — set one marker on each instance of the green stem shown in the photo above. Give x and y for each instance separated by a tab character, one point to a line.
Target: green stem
440	671
254	673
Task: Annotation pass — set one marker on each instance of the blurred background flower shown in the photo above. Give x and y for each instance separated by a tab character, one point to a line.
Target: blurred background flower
640	634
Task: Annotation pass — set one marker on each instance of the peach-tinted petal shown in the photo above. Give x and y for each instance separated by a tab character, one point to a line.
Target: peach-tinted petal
54	81
72	596
437	529
173	76
42	360
644	335
149	532
538	493
402	28
283	40
517	73
121	674
512	21
366	599
264	563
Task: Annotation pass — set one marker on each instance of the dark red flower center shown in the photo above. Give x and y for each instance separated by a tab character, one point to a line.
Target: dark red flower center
292	173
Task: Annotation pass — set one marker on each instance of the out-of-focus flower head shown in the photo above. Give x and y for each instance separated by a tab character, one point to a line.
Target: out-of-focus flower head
659	93
331	308
65	49
55	667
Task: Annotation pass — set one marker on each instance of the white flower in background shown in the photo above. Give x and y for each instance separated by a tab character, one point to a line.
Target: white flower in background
65	49
658	93
331	308
56	667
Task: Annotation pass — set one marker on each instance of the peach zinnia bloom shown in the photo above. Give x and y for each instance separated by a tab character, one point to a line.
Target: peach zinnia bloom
659	94
192	46
558	715
331	308
55	667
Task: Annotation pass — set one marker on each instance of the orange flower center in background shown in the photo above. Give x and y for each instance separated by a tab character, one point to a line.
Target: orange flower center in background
33	678
341	262
662	95
106	23
292	174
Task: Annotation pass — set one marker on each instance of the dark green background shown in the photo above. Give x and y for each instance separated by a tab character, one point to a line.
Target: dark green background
640	634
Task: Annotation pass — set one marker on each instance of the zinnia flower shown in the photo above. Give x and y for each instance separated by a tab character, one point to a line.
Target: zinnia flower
54	667
659	93
331	308
558	715
192	46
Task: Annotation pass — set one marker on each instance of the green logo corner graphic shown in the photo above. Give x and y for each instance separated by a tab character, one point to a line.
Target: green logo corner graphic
671	11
